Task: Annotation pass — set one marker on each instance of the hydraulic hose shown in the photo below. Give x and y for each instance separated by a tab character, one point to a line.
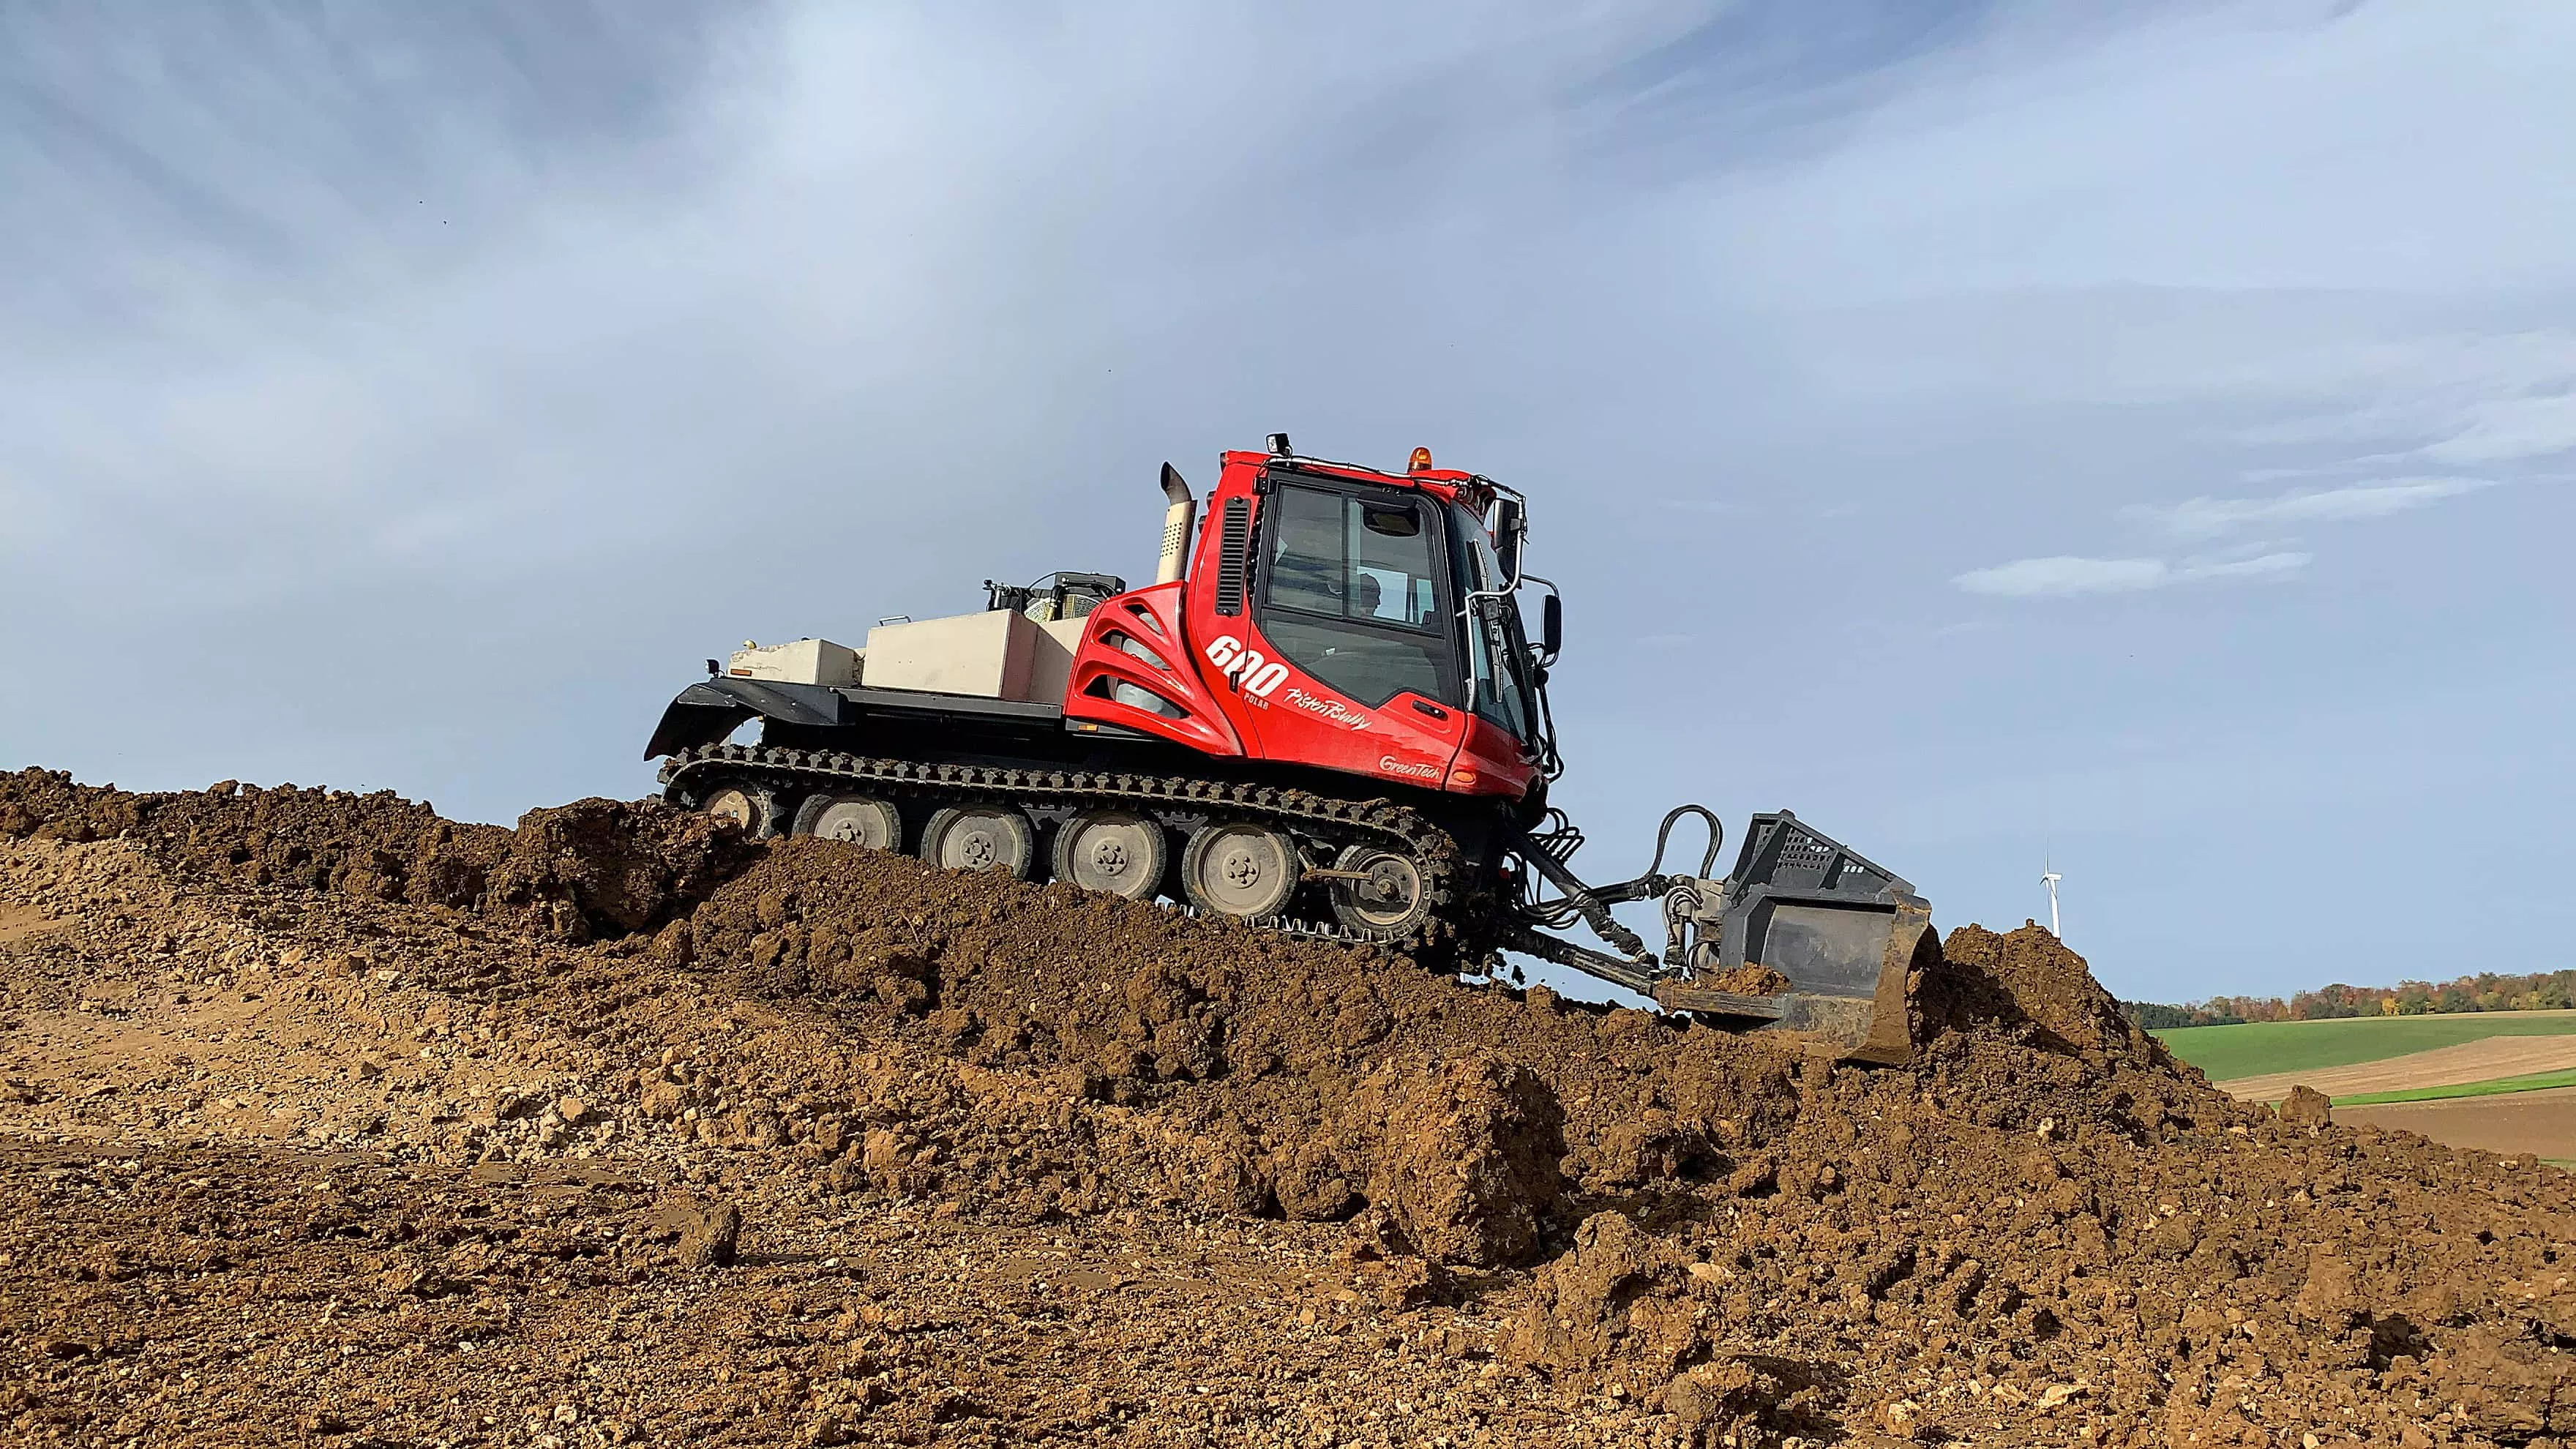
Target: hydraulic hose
1716	839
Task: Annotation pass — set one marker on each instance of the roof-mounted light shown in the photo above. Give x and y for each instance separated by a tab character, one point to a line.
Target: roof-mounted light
1421	461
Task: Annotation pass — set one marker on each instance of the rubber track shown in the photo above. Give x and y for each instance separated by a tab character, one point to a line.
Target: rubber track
1432	849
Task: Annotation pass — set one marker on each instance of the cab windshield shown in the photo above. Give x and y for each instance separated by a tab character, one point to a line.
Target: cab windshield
1497	659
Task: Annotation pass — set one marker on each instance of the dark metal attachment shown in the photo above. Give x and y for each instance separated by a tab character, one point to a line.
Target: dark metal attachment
1834	933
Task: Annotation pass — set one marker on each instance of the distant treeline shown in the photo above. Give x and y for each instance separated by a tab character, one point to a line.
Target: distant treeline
2486	991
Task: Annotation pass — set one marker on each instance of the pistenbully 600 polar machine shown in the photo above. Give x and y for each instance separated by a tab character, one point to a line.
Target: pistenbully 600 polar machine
1325	717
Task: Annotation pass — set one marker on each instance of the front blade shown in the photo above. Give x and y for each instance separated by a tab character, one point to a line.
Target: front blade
1823	937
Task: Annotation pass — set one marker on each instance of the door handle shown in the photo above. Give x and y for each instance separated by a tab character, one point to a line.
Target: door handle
1433	710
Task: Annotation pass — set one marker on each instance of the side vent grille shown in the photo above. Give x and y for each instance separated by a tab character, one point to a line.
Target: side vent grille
1135	697
1234	555
1146	617
1125	643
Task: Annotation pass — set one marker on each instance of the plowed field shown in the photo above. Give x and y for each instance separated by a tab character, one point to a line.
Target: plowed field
2543	1123
2475	1061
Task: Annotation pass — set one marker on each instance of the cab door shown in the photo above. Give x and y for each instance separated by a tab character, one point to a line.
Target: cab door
1350	662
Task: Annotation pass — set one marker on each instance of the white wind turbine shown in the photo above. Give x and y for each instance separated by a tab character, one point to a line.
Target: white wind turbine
2050	878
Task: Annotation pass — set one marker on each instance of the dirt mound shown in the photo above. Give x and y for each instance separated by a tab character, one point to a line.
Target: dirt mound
51	805
379	846
575	873
996	1161
1286	1056
2030	977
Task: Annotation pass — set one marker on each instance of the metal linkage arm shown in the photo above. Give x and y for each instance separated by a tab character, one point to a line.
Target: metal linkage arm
1595	905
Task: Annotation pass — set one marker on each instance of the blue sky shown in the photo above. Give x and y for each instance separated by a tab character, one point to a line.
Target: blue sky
1999	433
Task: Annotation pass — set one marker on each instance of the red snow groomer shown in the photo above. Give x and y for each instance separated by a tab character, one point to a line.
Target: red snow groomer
1325	716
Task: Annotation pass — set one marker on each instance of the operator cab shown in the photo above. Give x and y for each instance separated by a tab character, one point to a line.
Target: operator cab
1382	586
1336	618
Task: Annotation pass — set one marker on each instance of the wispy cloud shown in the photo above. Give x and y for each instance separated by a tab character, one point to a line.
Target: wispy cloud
2497	430
2449	399
2209	517
2063	575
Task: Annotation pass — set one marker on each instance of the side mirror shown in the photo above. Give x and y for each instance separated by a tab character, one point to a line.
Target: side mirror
1551	626
1510	524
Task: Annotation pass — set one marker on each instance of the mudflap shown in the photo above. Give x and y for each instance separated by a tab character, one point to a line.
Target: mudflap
1805	936
708	711
702	715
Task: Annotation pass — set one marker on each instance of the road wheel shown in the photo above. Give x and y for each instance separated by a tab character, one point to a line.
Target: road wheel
752	806
1391	902
860	819
1234	869
980	837
1113	851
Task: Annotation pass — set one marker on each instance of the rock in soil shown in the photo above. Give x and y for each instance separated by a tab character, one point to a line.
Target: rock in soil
2307	1107
706	1233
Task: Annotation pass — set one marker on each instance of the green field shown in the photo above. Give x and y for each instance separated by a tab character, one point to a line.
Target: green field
2258	1048
2492	1087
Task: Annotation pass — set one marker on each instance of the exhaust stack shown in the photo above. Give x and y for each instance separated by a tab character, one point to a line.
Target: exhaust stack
1178	520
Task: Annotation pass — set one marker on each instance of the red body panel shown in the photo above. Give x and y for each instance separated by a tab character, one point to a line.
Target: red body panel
1488	755
1152	619
1235	694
